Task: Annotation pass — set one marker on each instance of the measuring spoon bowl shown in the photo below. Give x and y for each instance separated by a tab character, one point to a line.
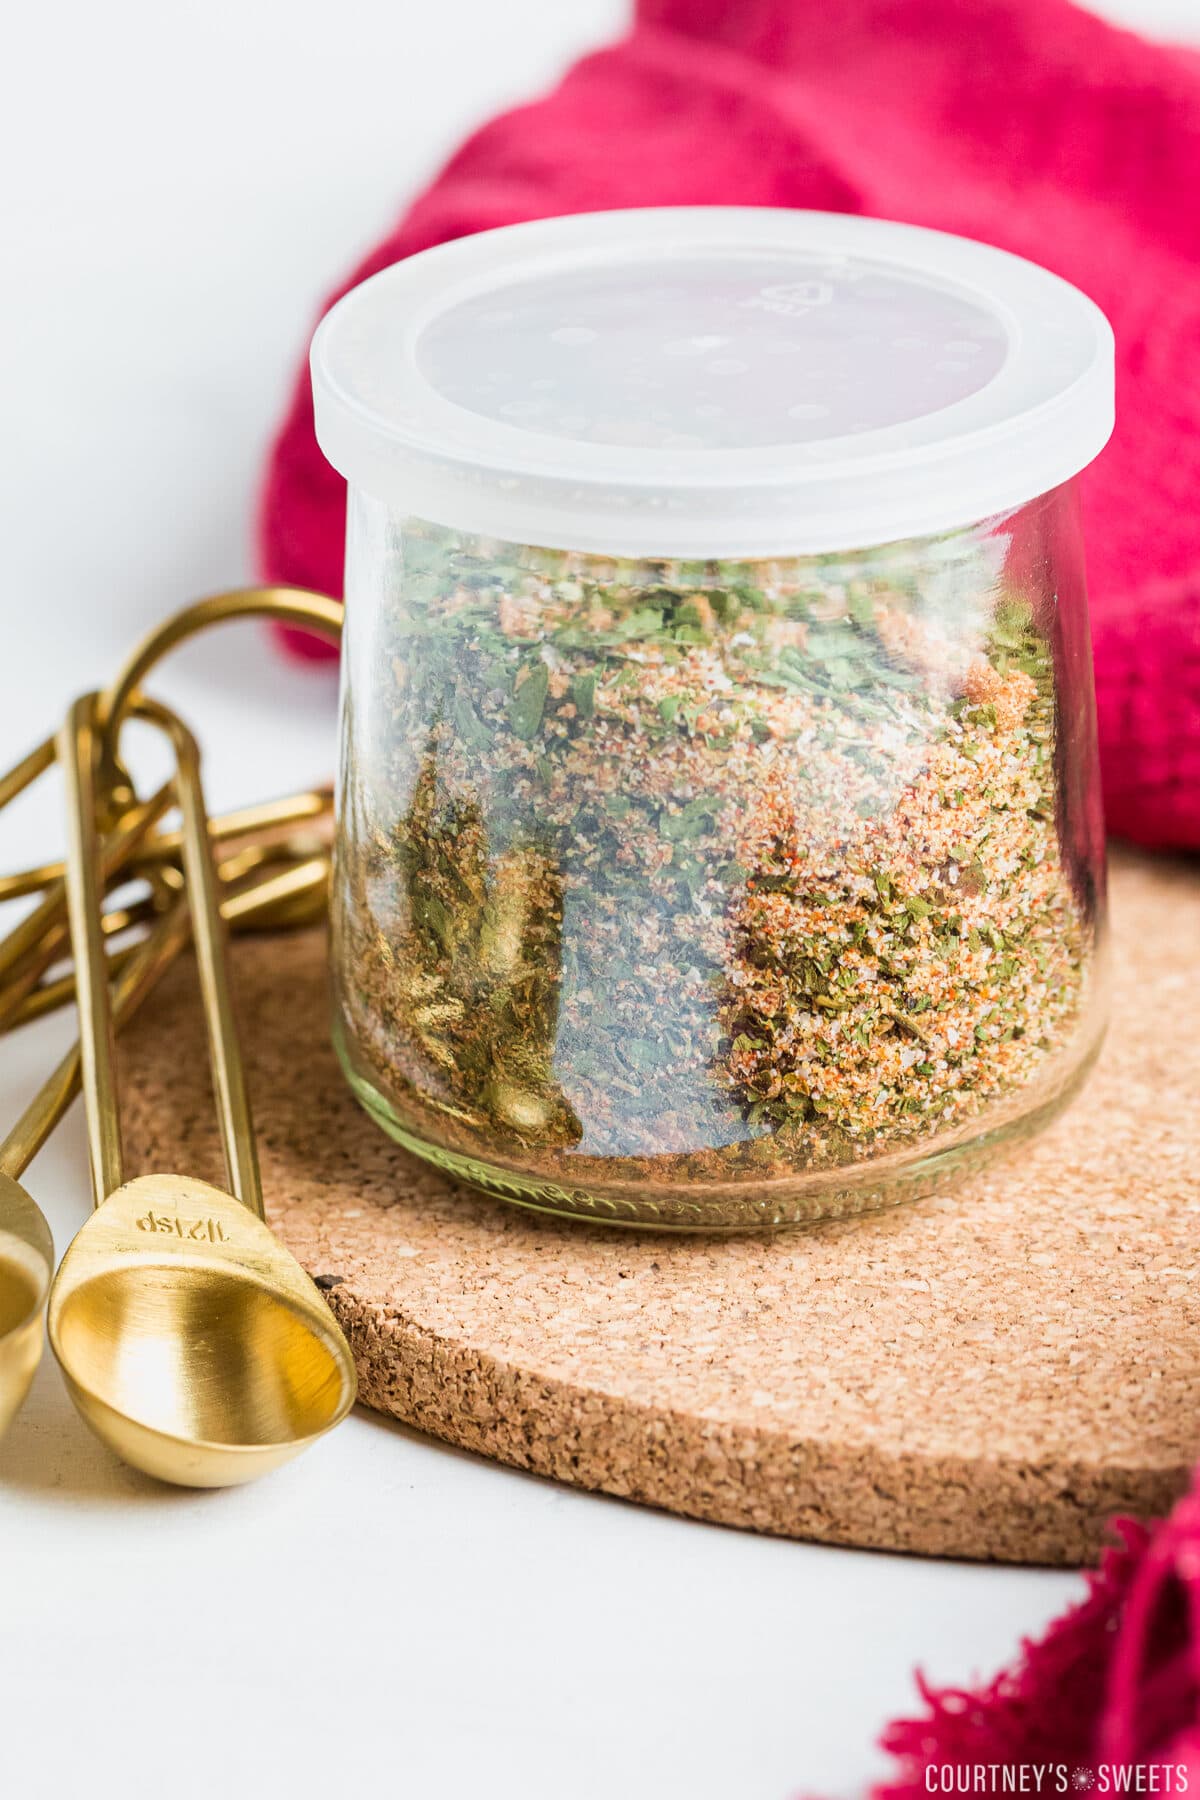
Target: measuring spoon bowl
192	1342
26	1265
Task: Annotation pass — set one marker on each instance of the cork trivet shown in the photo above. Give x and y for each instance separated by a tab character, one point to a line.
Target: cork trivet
991	1373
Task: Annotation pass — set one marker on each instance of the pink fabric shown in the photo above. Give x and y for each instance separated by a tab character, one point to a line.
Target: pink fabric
1043	1710
1024	122
1037	127
1114	1685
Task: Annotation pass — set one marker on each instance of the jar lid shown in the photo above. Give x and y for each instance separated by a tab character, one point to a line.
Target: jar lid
711	381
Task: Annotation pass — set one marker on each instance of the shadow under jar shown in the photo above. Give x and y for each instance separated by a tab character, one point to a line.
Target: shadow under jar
720	839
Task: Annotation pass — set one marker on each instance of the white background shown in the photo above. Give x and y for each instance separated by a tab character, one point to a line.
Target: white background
181	182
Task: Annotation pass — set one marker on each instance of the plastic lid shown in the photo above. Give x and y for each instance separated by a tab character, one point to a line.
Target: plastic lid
711	381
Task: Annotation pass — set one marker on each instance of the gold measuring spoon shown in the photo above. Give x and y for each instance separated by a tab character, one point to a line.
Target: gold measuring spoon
273	895
269	823
192	1342
26	1251
26	1264
39	939
290	834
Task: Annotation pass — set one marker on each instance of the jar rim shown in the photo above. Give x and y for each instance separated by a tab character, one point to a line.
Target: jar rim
443	387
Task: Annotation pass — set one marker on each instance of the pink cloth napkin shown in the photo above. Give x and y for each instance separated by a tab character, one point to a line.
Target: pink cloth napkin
1024	122
1113	1686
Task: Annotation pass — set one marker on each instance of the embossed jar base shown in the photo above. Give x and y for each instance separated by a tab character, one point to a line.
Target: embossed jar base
745	1205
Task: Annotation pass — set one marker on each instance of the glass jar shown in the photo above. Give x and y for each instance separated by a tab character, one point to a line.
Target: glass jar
720	839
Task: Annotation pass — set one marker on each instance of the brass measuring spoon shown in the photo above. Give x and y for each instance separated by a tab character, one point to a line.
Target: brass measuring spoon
269	824
191	1341
26	1247
26	1264
26	1251
272	895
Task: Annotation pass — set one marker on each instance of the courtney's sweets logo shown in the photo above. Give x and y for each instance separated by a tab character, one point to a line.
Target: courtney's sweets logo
209	1231
1056	1778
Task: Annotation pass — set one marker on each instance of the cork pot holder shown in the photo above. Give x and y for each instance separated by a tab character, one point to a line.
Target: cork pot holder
990	1374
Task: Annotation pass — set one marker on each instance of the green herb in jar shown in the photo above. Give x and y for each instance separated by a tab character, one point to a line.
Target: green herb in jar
720	869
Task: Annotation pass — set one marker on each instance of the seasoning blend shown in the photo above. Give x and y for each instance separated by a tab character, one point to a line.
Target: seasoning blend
720	836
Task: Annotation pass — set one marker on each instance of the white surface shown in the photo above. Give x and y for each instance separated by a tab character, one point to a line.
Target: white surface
712	381
387	1616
